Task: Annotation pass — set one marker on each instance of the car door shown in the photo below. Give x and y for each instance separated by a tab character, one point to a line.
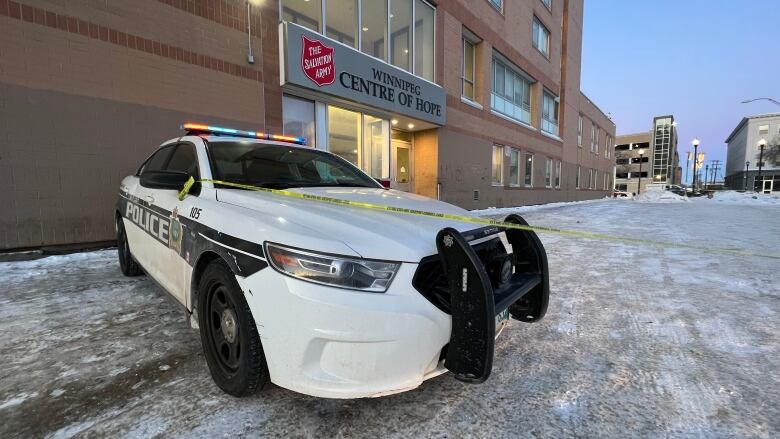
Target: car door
177	269
146	225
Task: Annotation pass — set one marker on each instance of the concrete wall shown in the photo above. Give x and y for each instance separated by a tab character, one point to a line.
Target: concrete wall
744	145
89	89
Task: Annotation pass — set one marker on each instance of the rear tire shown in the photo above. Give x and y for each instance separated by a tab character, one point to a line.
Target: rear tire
127	264
228	333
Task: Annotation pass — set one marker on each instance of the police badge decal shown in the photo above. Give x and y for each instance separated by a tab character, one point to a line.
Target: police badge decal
175	235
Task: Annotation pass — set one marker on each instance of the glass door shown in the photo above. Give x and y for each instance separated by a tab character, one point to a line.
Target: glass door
401	177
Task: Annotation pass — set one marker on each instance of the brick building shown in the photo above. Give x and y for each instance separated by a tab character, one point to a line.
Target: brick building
477	102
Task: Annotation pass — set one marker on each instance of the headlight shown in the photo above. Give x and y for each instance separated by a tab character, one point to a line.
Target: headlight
338	271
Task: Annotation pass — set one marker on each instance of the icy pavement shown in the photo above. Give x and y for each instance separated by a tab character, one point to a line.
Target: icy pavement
637	342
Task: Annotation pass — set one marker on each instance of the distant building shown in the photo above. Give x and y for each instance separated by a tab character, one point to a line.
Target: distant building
651	157
742	147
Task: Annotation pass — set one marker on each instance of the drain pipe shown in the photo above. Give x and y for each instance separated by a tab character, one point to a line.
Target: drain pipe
250	58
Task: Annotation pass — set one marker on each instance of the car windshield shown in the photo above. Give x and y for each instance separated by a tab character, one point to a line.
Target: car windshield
282	167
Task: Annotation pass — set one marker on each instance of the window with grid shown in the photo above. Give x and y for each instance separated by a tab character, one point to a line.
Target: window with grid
541	38
549	113
468	69
511	92
498	164
514	167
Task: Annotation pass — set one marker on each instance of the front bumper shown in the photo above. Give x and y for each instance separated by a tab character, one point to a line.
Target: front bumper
337	343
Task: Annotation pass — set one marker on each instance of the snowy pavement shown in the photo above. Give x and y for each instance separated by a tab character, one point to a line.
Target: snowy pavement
637	342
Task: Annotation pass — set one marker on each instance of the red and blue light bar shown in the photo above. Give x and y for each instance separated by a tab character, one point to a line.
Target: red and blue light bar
210	129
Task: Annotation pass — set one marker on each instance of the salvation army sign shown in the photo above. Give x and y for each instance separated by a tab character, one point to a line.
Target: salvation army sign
315	62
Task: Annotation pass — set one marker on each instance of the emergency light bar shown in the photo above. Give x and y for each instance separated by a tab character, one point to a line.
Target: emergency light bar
200	128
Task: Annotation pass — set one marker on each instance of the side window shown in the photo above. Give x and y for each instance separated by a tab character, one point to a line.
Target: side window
184	159
157	161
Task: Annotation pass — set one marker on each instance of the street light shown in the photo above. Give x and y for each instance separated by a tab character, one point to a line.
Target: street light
639	185
747	170
761	146
695	144
762	99
687	164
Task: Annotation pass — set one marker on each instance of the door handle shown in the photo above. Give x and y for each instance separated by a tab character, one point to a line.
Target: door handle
149	199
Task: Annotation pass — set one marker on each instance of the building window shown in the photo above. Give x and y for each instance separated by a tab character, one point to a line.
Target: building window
594	176
341	18
345	134
298	118
529	169
598	139
498	165
549	113
541	38
469	56
605	181
424	23
411	47
558	174
590	178
498	4
514	167
376	138
579	132
400	33
361	139
592	137
548	167
547	3
511	92
763	129
577	178
306	14
373	28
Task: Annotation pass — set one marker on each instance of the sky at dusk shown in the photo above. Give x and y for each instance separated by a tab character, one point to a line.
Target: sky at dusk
694	59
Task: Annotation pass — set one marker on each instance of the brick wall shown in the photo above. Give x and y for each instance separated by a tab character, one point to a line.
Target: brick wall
89	89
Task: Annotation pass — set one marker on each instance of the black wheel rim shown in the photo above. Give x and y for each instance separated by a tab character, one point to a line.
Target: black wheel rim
222	328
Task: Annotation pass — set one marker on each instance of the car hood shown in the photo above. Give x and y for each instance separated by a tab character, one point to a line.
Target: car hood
370	233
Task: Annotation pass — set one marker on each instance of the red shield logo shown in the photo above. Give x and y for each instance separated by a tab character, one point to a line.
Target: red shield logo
317	62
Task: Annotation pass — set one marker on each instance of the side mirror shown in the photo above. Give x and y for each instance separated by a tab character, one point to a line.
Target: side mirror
173	180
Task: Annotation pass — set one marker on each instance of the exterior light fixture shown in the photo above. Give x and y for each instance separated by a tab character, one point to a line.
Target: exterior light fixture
411	125
394	121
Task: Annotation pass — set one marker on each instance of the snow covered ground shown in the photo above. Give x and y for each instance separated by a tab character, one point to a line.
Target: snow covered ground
638	341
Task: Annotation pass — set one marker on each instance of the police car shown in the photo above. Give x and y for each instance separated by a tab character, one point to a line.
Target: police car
330	300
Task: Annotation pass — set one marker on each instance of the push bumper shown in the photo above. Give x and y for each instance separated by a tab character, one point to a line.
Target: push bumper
480	289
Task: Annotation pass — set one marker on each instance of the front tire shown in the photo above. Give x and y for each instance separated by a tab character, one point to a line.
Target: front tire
228	333
127	264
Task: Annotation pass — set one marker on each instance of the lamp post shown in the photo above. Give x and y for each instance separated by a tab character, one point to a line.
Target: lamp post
747	169
639	185
687	164
695	144
761	99
706	176
761	146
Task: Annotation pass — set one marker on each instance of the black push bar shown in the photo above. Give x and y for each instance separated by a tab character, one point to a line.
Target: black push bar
480	290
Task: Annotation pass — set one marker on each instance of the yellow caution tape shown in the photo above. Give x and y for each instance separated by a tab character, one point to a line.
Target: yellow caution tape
469	219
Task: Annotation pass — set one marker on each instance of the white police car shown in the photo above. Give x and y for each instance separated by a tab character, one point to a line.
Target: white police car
323	299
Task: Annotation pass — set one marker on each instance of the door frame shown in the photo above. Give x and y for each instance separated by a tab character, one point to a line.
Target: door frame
394	144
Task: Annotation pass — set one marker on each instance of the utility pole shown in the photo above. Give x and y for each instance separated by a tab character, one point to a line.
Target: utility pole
716	164
761	146
706	176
